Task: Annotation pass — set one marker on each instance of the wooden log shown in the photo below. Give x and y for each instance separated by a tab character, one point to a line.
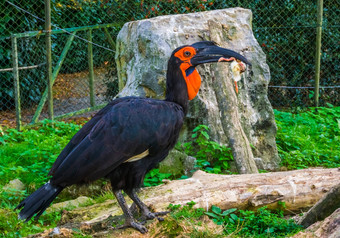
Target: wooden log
328	228
323	208
299	189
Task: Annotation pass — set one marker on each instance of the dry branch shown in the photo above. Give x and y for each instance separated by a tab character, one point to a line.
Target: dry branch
299	189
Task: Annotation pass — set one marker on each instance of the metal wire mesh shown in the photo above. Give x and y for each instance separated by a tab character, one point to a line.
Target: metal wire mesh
285	30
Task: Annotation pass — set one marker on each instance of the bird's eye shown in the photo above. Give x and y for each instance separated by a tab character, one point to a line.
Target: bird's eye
187	53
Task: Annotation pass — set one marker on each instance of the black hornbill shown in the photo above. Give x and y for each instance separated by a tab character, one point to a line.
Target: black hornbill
129	136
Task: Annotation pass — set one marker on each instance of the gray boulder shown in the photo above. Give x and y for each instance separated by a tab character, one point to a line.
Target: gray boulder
243	121
15	187
178	163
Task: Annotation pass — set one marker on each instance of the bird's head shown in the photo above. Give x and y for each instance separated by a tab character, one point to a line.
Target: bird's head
189	56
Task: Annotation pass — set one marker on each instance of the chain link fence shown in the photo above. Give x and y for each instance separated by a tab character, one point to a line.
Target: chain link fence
286	31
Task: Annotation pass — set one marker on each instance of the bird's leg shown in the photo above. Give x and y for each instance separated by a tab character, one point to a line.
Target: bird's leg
143	208
134	209
129	220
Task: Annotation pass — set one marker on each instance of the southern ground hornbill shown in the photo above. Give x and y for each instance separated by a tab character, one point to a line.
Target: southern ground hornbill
129	136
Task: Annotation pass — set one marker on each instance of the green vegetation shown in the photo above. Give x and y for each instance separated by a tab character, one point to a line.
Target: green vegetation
309	139
29	154
260	223
211	156
292	41
183	221
154	178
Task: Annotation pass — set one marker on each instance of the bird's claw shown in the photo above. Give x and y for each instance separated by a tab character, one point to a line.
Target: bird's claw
152	215
136	225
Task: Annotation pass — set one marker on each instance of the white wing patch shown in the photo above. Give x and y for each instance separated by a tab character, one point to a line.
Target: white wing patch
138	157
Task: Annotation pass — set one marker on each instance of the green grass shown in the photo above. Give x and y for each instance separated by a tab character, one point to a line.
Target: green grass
309	139
185	221
260	223
28	156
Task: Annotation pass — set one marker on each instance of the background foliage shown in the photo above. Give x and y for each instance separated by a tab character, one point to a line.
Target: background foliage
284	29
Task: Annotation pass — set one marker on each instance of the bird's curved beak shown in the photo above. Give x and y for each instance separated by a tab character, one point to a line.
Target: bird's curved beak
208	52
214	53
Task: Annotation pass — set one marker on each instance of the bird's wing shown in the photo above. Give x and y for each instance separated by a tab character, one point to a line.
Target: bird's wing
127	129
82	133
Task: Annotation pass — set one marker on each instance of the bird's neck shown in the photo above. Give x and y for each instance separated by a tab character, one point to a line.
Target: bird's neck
176	88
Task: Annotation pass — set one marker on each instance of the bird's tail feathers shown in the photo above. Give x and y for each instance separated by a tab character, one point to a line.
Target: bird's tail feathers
38	201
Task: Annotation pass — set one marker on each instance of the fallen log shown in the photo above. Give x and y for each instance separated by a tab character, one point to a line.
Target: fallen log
299	189
328	228
323	208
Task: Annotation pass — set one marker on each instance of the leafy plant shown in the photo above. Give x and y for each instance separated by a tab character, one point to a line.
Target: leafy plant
154	178
211	156
260	223
220	217
310	138
29	154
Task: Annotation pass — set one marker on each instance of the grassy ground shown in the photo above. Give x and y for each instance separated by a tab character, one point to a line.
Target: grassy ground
304	140
309	139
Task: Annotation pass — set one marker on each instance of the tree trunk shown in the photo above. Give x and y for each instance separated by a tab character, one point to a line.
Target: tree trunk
149	43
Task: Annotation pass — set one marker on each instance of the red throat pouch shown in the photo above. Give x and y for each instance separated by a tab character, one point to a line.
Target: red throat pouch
193	81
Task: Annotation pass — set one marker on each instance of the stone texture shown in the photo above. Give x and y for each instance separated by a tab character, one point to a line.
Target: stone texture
14	186
144	47
177	163
92	189
80	201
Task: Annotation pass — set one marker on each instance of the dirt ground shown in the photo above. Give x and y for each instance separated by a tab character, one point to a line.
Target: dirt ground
70	93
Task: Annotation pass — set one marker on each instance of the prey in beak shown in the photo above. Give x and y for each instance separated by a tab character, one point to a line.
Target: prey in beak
237	67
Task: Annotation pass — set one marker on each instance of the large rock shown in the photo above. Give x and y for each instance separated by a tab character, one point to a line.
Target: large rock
144	47
178	163
15	187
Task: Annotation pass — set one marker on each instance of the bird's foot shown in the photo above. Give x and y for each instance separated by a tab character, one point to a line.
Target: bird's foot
136	225
152	215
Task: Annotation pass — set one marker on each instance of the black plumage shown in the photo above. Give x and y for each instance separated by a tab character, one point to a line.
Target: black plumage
108	144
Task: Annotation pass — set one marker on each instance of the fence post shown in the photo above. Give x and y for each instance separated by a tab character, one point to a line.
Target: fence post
90	62
49	57
16	81
318	52
54	76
